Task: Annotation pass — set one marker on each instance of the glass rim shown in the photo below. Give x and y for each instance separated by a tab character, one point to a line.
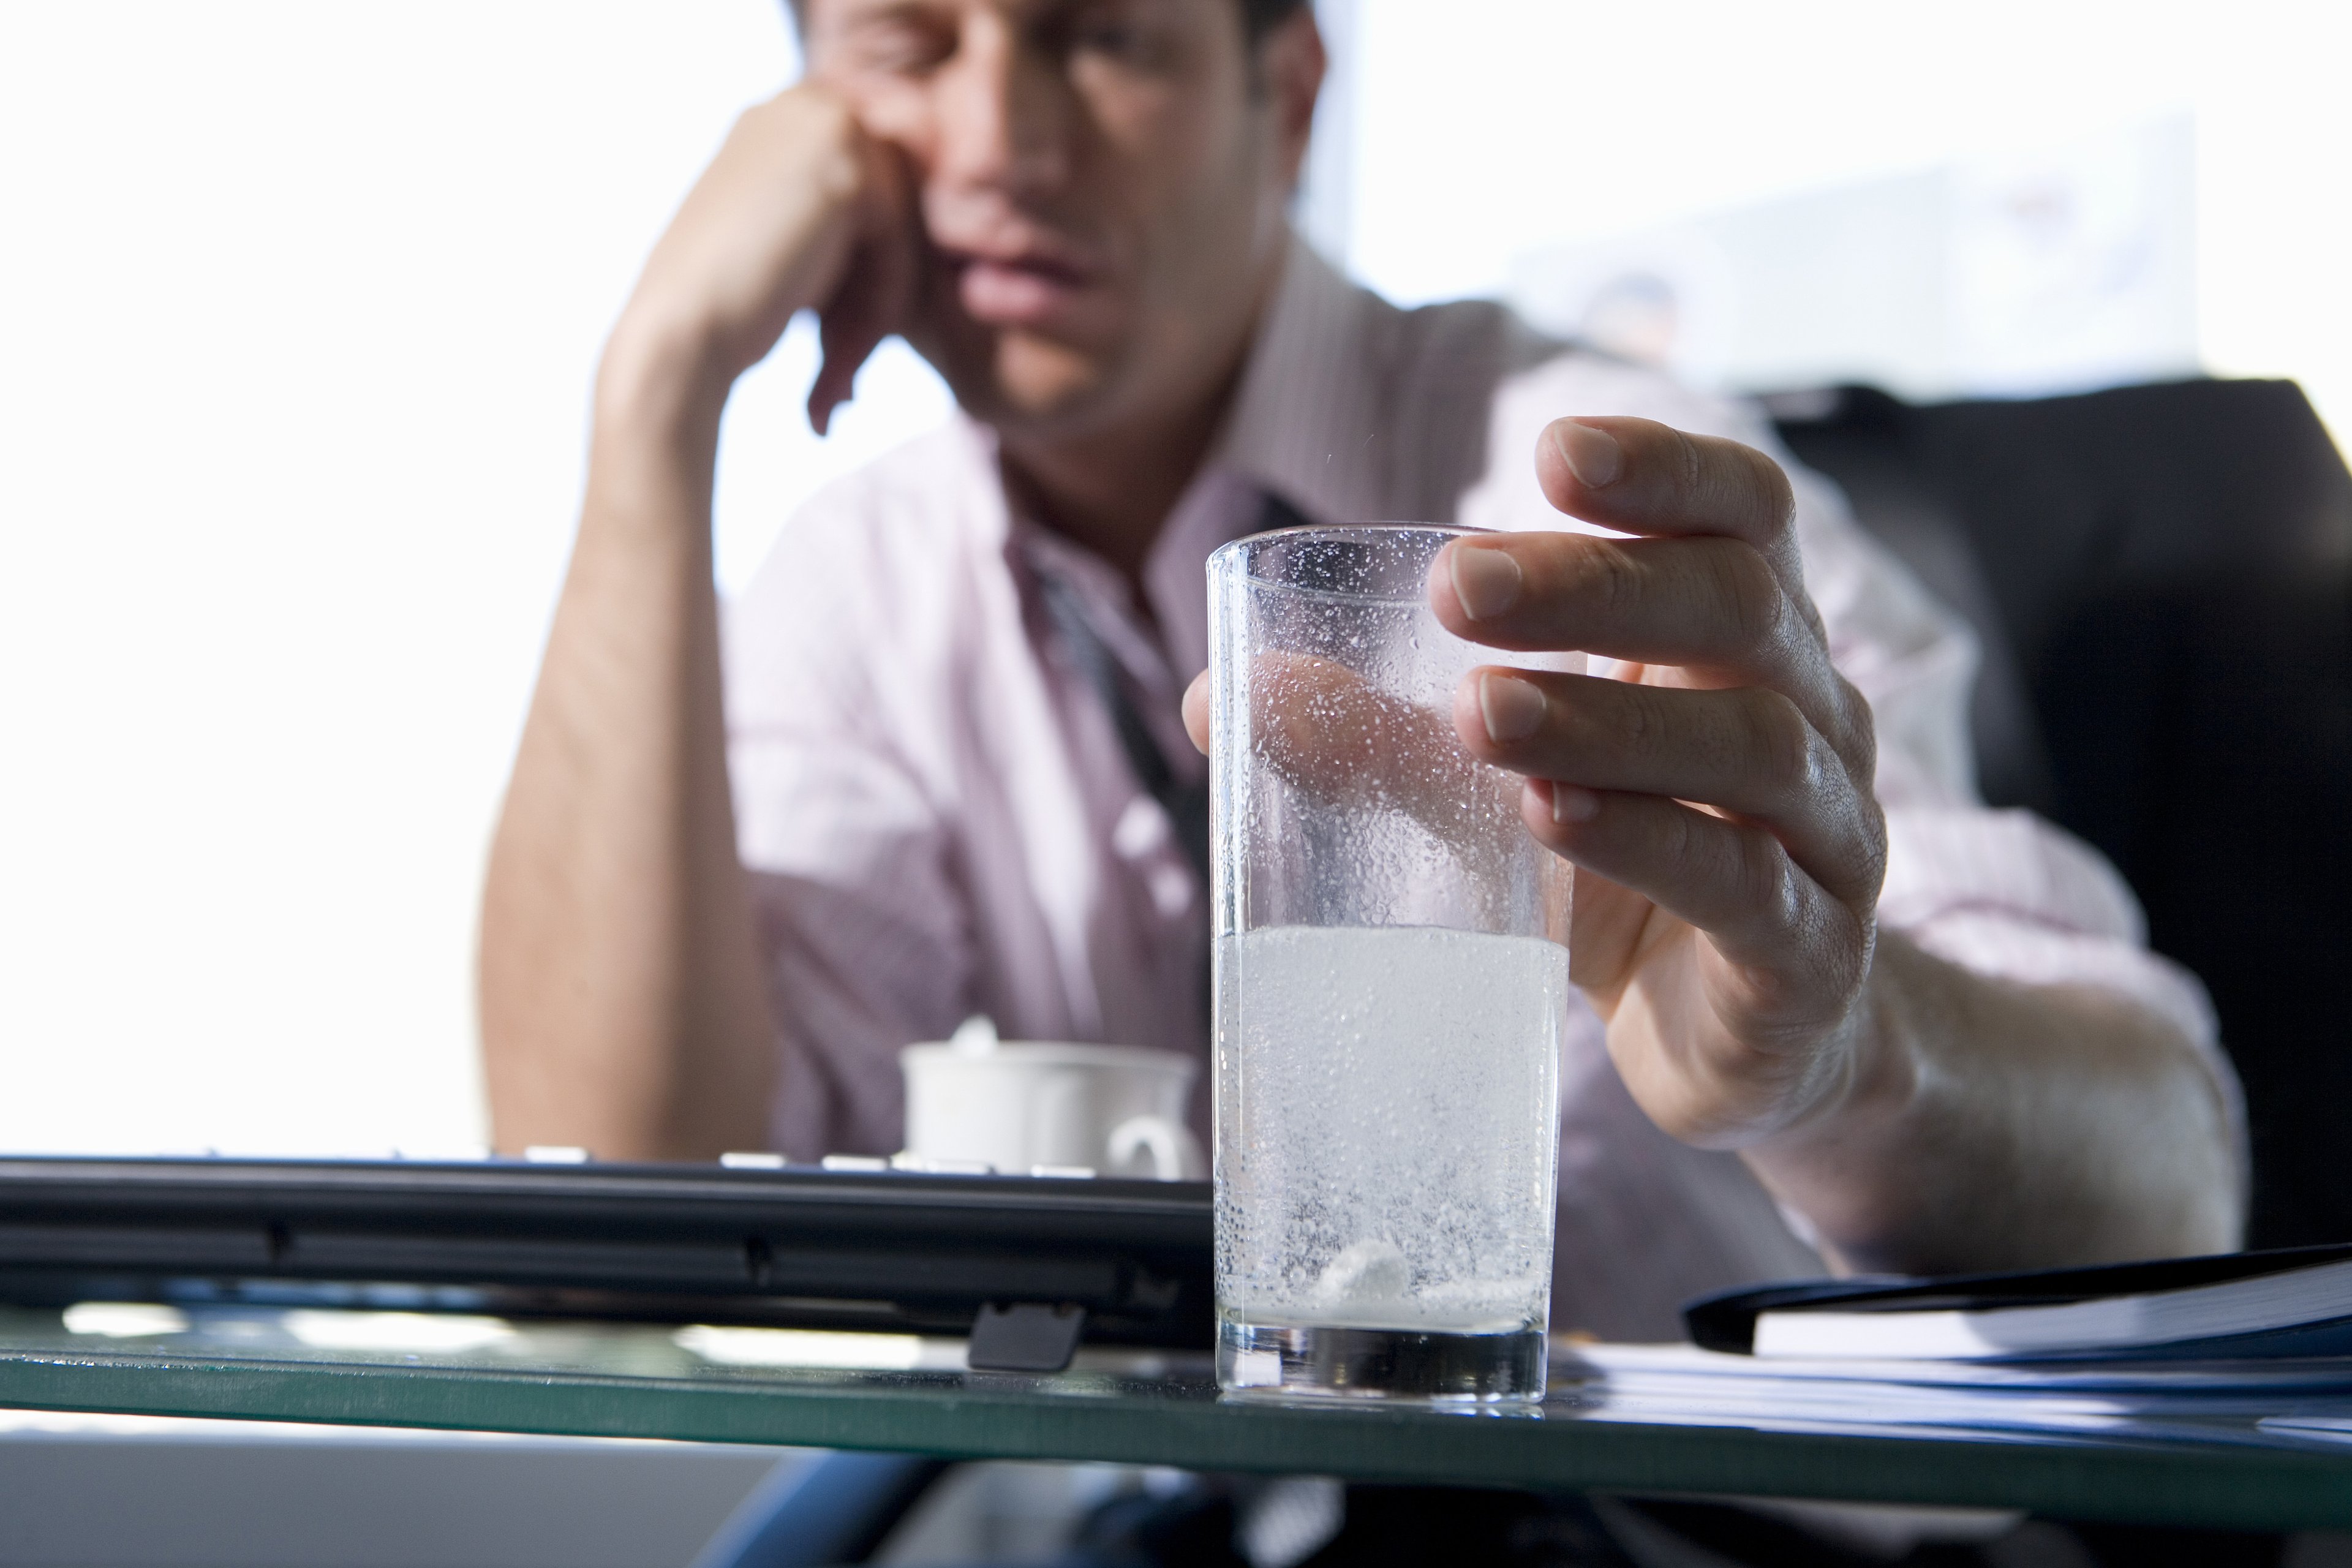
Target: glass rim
1238	548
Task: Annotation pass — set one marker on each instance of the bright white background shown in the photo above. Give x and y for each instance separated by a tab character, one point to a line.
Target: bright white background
299	305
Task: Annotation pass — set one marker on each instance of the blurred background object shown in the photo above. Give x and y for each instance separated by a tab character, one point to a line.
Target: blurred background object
300	305
2066	267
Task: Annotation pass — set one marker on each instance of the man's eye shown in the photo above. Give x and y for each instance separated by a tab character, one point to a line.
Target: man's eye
901	48
1110	37
1126	42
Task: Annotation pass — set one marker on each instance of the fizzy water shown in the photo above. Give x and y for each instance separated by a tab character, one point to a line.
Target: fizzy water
1387	1128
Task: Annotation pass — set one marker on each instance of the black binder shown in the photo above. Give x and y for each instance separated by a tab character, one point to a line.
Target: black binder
2321	1325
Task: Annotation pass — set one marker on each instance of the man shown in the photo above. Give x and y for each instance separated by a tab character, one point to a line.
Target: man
1834	1002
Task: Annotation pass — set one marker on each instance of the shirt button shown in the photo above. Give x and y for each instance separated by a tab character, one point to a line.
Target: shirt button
1141	830
1171	889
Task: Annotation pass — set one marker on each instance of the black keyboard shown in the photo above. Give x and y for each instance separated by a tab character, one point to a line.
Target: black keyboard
796	1246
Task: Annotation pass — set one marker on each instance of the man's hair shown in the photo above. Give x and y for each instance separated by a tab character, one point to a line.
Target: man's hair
1259	17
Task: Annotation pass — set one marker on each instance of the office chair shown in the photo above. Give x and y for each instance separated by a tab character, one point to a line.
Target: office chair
2162	579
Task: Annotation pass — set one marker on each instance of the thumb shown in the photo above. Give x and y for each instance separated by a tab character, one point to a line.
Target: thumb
1196	712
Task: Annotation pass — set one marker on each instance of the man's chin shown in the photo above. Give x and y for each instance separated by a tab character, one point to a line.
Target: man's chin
1031	385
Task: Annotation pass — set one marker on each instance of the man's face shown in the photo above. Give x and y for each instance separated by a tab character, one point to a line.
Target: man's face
1101	185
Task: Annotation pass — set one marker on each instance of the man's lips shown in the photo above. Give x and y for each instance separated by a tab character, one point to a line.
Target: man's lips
1031	289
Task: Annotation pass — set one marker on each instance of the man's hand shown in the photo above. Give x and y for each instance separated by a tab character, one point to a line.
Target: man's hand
801	210
1715	798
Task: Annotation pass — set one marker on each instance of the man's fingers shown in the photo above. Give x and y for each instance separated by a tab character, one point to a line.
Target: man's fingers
1196	713
1654	601
1713	606
1343	742
1730	879
868	308
1745	750
1642	476
1327	730
847	346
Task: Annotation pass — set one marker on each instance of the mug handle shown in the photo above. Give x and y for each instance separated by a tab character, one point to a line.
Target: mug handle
1175	1153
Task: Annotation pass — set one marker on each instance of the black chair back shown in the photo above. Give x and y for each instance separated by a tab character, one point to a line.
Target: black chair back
2162	577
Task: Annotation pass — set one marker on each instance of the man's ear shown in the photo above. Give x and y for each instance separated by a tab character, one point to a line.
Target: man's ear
1290	66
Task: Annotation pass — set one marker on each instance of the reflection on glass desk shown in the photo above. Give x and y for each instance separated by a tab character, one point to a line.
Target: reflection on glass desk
2265	1446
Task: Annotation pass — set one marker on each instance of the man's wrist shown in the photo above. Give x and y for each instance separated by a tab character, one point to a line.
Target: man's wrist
654	448
660	379
1832	1159
1877	1072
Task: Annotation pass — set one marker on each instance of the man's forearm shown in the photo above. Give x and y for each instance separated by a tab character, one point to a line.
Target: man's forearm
1996	1125
622	1007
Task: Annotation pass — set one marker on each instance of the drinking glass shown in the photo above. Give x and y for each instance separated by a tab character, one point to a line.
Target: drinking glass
1391	984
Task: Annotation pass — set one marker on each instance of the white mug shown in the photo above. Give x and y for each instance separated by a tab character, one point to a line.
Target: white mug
1025	1106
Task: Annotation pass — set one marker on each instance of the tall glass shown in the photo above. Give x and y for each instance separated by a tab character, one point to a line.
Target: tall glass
1392	978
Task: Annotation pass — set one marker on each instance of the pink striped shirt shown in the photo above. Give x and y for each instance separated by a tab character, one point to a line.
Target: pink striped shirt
938	818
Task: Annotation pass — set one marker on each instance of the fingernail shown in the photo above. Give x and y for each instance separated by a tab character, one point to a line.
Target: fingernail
1512	709
1591	453
1486	581
1571	802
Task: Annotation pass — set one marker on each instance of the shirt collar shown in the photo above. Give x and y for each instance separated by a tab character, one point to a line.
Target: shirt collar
1306	416
1301	426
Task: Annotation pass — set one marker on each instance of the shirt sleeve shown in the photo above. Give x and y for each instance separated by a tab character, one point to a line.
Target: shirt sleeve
2002	893
864	935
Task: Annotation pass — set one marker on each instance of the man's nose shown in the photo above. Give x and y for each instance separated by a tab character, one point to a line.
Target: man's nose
1004	117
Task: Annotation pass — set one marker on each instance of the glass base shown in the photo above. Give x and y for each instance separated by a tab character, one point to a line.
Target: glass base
1284	1360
